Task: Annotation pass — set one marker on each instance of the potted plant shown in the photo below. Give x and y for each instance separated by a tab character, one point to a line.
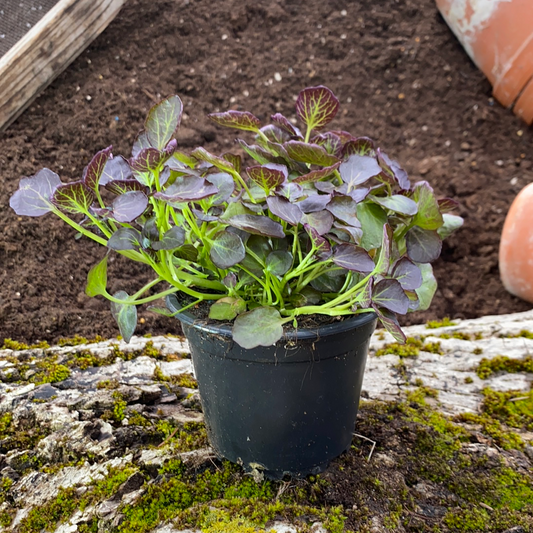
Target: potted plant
278	270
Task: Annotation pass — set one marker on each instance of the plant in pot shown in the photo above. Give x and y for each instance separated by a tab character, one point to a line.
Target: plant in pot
278	269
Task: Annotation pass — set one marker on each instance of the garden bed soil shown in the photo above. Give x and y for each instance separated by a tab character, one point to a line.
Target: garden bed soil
401	77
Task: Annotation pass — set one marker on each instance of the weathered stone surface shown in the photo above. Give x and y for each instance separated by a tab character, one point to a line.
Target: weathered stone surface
85	419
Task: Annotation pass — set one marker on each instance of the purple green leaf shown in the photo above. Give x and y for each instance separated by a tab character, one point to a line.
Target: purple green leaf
284	123
384	258
260	327
344	136
314	202
388	293
397	203
74	197
312	154
359	146
172	239
357	169
225	185
93	171
141	142
391	324
203	155
279	262
321	221
345	209
447	204
33	197
275	134
372	218
227	250
187	188
451	224
125	315
116	169
407	274
163	121
352	257
148	159
423	246
393	169
257	153
241	120
227	308
329	141
123	186
290	190
97	279
230	280
257	225
325	186
429	215
316	175
129	206
316	106
347	233
125	239
323	248
235	160
428	288
357	194
365	300
284	209
268	176
331	281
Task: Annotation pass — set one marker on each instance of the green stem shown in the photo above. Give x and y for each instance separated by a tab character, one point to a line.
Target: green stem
81	229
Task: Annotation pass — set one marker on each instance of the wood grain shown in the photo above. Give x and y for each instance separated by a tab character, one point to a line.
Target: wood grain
47	49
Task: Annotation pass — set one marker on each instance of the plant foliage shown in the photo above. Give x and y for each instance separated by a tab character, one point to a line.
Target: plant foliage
319	222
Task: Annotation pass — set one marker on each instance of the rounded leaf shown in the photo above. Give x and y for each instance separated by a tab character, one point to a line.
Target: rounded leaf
279	262
129	206
423	246
227	250
33	196
353	257
316	106
163	120
260	327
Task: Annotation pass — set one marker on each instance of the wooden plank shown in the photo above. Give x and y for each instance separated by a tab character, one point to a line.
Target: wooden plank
47	49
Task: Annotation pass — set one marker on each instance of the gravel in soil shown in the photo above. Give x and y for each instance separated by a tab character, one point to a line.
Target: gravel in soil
399	72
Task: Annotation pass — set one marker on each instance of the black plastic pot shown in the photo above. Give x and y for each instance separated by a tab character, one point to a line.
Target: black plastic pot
283	409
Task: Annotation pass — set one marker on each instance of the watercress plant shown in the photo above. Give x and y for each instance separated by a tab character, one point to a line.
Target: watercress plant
320	222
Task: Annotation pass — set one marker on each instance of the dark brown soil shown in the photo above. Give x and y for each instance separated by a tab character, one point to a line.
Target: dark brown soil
402	79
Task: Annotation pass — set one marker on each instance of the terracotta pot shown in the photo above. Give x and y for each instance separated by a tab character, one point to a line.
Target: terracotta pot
498	36
516	246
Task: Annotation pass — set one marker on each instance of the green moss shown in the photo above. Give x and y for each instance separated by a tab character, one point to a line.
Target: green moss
184	380
513	408
493	428
119	409
137	419
502	363
434	324
21	434
49	515
469	380
412	348
183	437
78	340
477	351
219	522
108	384
524	333
10	344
